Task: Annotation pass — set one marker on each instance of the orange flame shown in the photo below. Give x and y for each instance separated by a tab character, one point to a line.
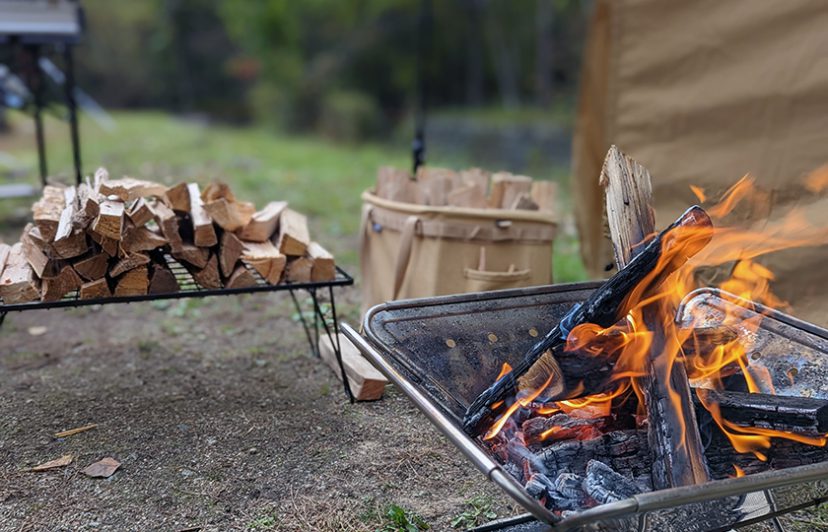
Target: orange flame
739	471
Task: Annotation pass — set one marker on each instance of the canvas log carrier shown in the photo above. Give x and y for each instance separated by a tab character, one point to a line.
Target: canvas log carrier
702	93
410	250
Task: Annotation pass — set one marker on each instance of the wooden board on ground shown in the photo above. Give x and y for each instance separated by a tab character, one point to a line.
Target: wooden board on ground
324	268
263	224
95	289
265	259
18	283
204	234
367	383
294	237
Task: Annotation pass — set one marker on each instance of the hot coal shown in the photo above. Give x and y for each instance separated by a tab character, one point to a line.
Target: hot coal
605	485
570	485
562	427
624	450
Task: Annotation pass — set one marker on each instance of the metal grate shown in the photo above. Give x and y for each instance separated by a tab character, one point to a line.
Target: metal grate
188	287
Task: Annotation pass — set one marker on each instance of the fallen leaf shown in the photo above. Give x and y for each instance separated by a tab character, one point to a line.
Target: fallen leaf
72	432
102	469
63	461
38	330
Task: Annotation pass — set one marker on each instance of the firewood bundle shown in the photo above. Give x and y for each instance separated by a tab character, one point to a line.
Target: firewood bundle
114	238
472	188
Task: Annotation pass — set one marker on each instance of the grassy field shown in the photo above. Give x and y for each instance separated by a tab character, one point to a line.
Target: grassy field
319	178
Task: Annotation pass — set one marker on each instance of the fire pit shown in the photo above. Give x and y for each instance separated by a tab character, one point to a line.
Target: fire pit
442	352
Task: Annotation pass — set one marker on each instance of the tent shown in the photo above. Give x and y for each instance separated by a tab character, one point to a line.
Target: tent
702	93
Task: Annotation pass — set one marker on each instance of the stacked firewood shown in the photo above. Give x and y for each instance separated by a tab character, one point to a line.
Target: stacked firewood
117	237
472	188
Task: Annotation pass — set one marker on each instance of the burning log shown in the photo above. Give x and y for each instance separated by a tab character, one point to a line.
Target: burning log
802	415
561	427
604	307
623	450
604	484
672	430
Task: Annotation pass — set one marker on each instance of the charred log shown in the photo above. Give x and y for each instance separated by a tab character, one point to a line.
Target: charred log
802	415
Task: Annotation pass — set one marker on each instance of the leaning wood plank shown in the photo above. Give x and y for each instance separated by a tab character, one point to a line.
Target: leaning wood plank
204	235
58	286
294	237
139	213
95	289
92	268
673	433
506	187
163	281
47	210
110	220
130	262
241	278
4	255
192	255
208	277
367	383
129	189
168	222
298	270
133	283
18	283
324	268
263	224
230	250
265	259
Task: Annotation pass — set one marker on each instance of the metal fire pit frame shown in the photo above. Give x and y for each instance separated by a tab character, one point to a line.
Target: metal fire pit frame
383	358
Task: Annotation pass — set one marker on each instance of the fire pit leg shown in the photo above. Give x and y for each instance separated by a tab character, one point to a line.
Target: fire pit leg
673	433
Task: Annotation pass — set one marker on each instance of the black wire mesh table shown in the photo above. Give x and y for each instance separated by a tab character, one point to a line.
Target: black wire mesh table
323	319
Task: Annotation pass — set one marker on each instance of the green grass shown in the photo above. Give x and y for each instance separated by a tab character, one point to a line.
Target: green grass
319	178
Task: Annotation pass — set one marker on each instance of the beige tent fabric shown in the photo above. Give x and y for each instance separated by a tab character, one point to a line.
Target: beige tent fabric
701	93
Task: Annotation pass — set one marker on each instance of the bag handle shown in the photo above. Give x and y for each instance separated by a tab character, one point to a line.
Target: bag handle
404	254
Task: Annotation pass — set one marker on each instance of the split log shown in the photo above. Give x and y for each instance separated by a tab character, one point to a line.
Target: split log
178	197
130	262
562	427
74	245
230	216
604	307
324	268
545	194
92	268
41	263
98	288
141	238
110	220
167	221
54	288
139	213
672	429
208	276
241	278
265	259
471	196
129	189
133	283
506	188
204	234
366	382
101	176
437	183
524	203
298	270
88	206
475	177
294	237
263	224
47	210
162	281
64	228
230	250
110	246
18	283
398	185
801	415
192	255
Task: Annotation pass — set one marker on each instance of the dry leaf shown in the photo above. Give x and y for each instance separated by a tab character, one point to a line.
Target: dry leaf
63	461
38	330
102	469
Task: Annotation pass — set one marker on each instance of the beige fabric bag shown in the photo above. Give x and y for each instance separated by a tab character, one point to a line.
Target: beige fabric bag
410	250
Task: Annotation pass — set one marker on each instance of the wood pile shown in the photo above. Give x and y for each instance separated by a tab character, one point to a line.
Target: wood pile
111	237
472	188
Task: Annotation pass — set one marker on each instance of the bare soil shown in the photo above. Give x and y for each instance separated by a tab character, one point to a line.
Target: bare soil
221	418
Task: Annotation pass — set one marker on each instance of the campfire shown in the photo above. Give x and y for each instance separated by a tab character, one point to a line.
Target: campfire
655	381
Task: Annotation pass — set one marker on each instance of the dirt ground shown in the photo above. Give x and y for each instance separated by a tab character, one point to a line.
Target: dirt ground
222	420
